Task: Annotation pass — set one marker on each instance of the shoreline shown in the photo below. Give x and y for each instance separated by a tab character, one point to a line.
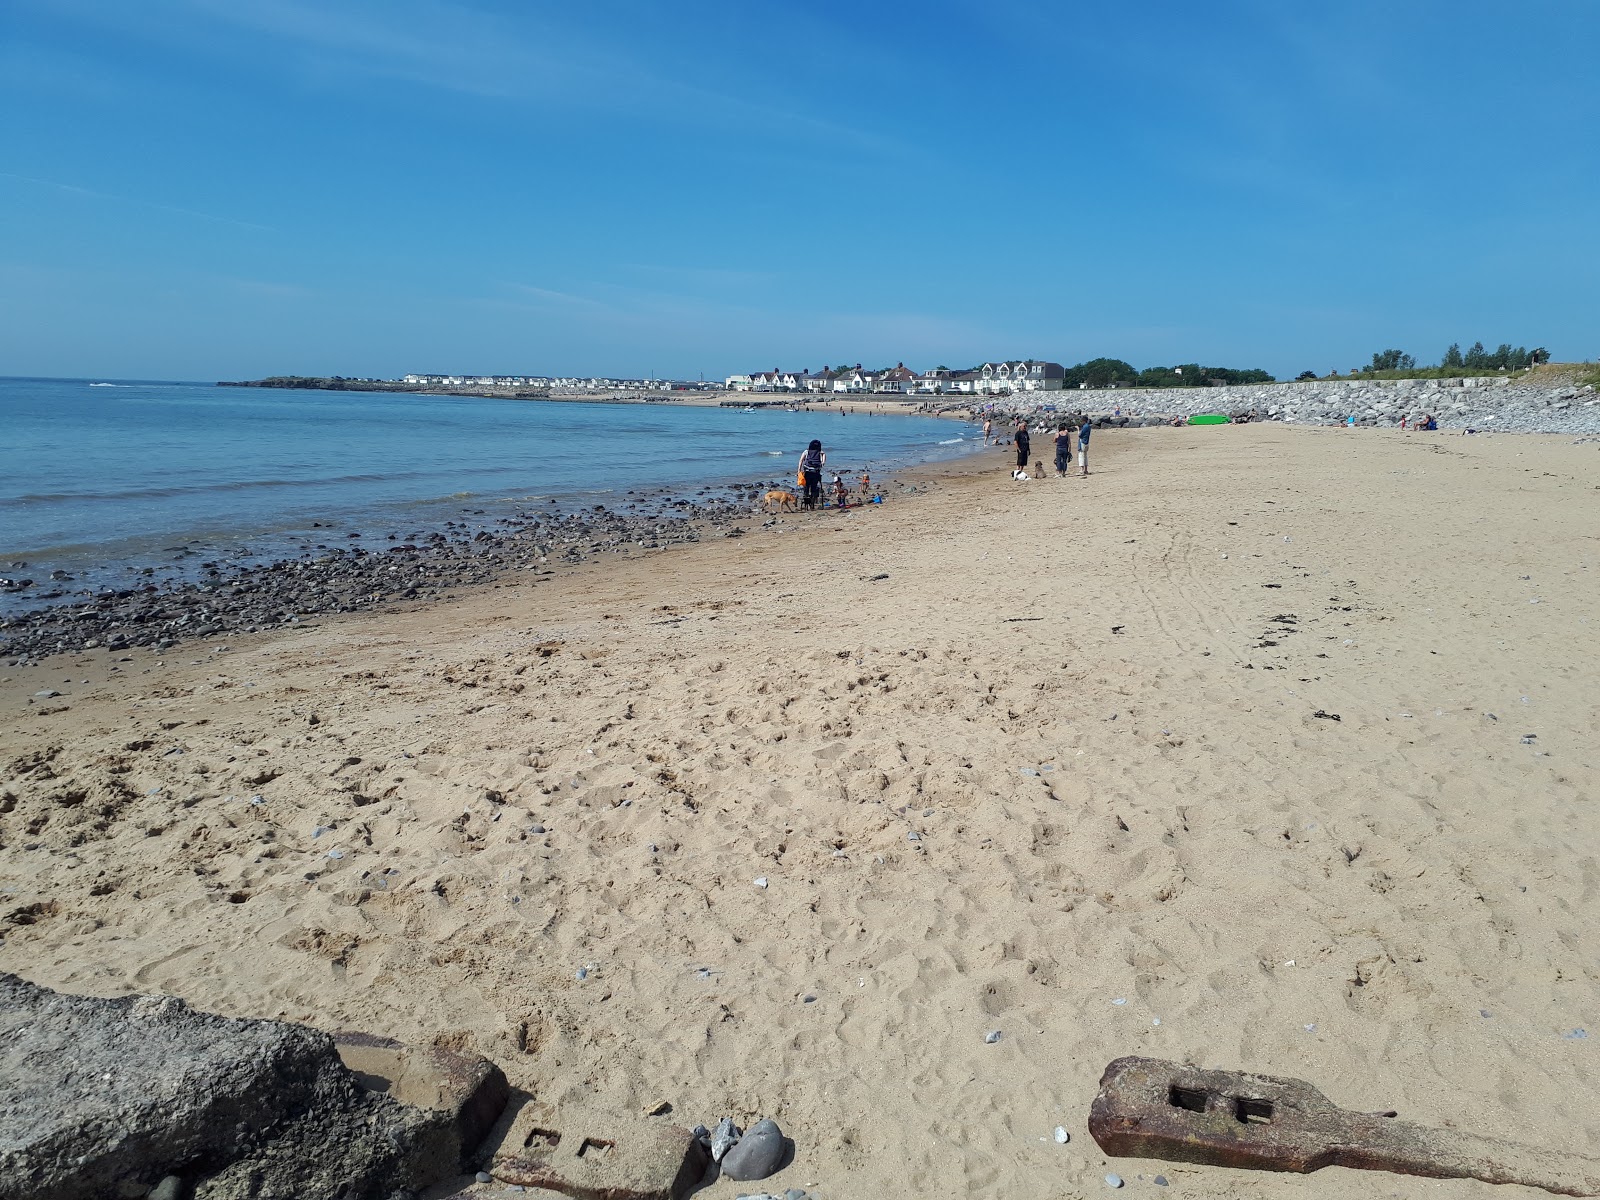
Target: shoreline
1105	709
236	597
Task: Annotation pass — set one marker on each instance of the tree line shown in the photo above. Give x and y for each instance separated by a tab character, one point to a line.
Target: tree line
1113	372
1475	358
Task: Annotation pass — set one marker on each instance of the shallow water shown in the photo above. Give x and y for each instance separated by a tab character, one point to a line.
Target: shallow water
103	477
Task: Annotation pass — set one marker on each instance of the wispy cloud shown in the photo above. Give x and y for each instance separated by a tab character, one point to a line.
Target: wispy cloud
453	45
90	193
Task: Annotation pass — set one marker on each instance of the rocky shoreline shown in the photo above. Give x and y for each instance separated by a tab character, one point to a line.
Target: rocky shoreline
232	598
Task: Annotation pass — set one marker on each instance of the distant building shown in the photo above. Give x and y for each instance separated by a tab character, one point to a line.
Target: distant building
1025	375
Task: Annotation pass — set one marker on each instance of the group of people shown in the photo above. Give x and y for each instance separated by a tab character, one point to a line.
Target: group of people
1022	439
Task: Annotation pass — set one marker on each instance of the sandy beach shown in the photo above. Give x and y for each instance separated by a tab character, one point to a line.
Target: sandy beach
1262	747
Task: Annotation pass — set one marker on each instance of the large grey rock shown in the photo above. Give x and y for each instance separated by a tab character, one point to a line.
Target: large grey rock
96	1095
760	1152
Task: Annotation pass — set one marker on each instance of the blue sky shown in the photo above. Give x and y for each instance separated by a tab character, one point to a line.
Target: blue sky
231	188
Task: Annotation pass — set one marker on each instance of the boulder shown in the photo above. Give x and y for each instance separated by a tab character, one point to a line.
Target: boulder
103	1097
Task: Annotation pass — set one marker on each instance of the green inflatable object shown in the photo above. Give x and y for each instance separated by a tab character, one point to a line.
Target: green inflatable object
1208	419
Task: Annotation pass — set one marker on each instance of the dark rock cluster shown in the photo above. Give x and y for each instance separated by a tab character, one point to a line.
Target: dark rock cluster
359	574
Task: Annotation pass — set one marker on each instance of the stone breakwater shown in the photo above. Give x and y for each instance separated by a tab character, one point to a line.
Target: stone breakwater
1488	405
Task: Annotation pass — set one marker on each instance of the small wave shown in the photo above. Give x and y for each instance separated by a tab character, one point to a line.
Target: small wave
952	441
773	453
237	485
103	385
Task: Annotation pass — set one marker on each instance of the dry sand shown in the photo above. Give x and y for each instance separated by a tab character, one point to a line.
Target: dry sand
1089	700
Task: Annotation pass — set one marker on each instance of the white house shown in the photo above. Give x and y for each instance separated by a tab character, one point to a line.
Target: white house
738	383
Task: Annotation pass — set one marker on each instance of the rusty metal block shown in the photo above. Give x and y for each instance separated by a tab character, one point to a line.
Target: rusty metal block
467	1093
1148	1108
591	1157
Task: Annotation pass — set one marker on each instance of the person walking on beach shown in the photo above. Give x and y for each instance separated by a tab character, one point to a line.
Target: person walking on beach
1063	450
811	464
1084	430
986	428
1022	443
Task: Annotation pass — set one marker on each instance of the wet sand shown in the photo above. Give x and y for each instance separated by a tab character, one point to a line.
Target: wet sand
1093	702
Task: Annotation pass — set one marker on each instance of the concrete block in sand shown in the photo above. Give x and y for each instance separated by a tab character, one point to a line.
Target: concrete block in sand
101	1097
595	1157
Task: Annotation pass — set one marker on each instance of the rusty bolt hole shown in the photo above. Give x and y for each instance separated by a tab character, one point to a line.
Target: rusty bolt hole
1193	1099
1252	1112
596	1146
546	1139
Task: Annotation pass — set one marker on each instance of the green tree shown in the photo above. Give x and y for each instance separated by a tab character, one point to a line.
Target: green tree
1392	360
1477	358
1452	357
1101	373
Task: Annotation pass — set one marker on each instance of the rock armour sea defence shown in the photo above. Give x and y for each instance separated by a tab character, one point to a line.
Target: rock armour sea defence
1493	404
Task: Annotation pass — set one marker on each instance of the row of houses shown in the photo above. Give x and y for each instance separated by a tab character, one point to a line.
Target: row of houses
993	378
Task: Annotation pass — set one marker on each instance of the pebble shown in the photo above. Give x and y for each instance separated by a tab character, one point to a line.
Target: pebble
484	1177
1062	1136
1160	1181
914	836
170	1188
336	854
1575	1035
794	1194
757	1153
724	1138
761	882
993	1036
583	973
46	694
1120	1000
1114	1181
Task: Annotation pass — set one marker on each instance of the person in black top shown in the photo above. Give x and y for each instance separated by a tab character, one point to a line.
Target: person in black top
811	464
1021	440
1063	450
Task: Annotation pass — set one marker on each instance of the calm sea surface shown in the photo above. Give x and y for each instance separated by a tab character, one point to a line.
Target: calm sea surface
100	478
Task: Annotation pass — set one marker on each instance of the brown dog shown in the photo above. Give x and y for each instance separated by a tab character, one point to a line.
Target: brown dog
781	499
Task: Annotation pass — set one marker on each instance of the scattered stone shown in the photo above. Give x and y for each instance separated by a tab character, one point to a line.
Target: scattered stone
993	1036
757	1154
170	1188
724	1138
1062	1136
484	1177
1160	1181
761	882
1114	1181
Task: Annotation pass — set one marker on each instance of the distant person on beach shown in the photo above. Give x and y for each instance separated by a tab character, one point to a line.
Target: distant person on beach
1084	431
811	464
1427	423
866	487
986	428
1063	450
841	496
1022	444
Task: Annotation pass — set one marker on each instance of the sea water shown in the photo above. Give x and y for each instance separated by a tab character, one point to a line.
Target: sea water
99	478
